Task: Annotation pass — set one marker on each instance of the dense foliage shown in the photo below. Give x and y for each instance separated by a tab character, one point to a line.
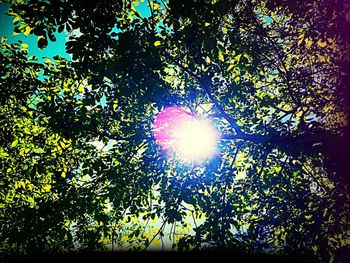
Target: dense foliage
80	169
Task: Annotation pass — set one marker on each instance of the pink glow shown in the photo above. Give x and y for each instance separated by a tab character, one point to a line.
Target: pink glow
166	125
190	137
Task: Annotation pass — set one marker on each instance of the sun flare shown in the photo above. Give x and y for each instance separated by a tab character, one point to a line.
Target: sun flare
191	138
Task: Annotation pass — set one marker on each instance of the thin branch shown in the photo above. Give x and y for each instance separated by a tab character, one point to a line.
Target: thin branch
206	85
160	229
194	220
165	5
280	57
319	183
152	14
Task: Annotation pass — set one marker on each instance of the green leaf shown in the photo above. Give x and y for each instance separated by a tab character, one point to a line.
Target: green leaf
16	20
60	28
33	58
47	188
42	42
230	67
221	56
52	36
156	243
27	31
157	43
63	145
3	153
14	143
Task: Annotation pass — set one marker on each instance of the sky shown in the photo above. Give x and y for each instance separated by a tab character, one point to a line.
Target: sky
53	48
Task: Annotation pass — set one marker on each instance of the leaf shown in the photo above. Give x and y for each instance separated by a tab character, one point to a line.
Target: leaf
229	68
321	44
42	42
157	43
16	20
301	38
22	184
3	153
308	217
63	174
238	57
27	31
14	143
52	36
62	144
16	31
308	42
156	242
60	28
47	187
221	56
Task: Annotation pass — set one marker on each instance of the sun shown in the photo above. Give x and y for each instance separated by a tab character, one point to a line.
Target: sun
197	140
189	137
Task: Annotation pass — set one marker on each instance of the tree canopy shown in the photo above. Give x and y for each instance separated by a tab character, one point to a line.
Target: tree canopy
81	170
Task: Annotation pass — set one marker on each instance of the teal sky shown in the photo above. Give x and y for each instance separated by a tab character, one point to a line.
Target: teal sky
53	48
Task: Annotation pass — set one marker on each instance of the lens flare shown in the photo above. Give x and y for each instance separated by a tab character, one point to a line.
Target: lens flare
189	137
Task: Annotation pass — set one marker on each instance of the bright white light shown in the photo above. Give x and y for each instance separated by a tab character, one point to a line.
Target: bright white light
196	140
190	137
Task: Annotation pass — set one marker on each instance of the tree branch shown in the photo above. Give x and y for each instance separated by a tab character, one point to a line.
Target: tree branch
280	57
160	229
206	84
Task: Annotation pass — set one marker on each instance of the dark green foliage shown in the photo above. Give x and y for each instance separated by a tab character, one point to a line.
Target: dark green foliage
78	163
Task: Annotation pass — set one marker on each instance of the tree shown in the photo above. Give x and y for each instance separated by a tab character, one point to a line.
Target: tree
80	167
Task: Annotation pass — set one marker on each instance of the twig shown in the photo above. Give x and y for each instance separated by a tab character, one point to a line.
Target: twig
205	83
160	229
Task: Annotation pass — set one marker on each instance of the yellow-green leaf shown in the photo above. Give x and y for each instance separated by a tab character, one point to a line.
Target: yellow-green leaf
221	56
308	42
308	217
27	31
321	44
47	188
14	143
157	43
156	243
238	57
16	19
301	38
230	67
3	154
63	145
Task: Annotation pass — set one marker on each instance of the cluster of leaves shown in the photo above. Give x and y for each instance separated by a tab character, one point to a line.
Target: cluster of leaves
80	170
